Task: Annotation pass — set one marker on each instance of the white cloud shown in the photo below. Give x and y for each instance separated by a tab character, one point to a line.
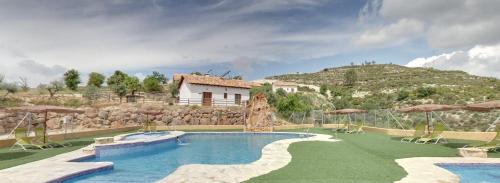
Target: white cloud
480	60
103	36
456	24
395	33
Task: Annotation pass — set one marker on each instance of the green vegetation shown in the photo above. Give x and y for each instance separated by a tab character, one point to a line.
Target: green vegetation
152	84
350	78
54	87
357	158
91	93
72	79
133	84
96	79
389	85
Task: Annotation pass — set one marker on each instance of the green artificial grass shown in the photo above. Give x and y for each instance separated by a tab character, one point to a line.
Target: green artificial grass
10	158
357	158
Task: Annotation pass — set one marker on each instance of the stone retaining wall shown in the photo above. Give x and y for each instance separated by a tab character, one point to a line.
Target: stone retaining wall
127	115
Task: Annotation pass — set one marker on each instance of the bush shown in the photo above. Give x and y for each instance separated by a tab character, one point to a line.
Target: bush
402	95
293	103
423	92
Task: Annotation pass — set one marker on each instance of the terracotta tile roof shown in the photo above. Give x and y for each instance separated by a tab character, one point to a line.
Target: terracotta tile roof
214	81
178	77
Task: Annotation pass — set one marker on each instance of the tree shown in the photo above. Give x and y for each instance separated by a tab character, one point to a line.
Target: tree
91	93
117	78
280	92
120	90
161	77
11	88
23	81
174	89
96	79
267	89
132	84
54	87
2	77
152	84
322	89
350	78
292	103
72	79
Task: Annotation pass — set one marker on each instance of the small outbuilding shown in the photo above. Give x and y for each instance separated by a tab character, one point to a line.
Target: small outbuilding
212	91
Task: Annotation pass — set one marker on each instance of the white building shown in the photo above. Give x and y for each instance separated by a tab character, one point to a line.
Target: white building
289	87
212	91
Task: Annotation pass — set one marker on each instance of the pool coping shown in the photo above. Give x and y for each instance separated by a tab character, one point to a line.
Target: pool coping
426	169
274	156
66	166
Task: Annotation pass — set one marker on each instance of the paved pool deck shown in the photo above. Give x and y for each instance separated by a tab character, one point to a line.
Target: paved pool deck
424	169
62	167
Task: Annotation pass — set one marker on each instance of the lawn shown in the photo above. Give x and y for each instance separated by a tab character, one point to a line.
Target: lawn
357	158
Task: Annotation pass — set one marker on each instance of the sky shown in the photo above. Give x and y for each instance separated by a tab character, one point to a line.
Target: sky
41	39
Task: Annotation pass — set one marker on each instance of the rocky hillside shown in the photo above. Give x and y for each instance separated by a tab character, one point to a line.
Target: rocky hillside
450	86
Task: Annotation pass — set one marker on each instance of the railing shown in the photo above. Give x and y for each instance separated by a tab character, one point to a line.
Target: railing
210	102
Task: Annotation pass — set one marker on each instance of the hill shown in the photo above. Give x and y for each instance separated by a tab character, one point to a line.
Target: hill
393	81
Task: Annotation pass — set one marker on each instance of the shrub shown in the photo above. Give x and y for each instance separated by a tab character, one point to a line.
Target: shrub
423	92
402	95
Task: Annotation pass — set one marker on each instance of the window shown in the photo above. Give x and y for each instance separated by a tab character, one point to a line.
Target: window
292	90
225	95
237	99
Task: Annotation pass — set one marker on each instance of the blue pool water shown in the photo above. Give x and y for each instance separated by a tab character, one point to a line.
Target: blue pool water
144	135
475	173
150	163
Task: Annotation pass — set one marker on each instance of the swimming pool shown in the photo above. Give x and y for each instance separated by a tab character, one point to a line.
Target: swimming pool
150	163
475	172
146	135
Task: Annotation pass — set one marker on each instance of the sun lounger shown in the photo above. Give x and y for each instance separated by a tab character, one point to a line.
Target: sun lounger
23	141
435	137
419	132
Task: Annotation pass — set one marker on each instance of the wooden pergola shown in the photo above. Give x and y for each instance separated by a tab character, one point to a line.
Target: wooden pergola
44	109
484	107
427	109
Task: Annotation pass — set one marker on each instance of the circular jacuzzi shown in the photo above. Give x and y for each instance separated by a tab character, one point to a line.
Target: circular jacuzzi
144	135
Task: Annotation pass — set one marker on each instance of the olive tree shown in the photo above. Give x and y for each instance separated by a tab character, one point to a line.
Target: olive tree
96	79
72	79
54	87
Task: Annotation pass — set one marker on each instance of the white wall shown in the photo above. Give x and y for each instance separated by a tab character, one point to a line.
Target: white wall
194	93
288	89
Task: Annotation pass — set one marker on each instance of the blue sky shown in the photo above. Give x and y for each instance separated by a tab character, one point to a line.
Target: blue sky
256	38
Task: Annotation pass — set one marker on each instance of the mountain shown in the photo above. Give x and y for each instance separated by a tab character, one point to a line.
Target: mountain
448	87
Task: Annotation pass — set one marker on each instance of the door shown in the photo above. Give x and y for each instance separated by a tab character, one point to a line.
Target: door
207	99
237	99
